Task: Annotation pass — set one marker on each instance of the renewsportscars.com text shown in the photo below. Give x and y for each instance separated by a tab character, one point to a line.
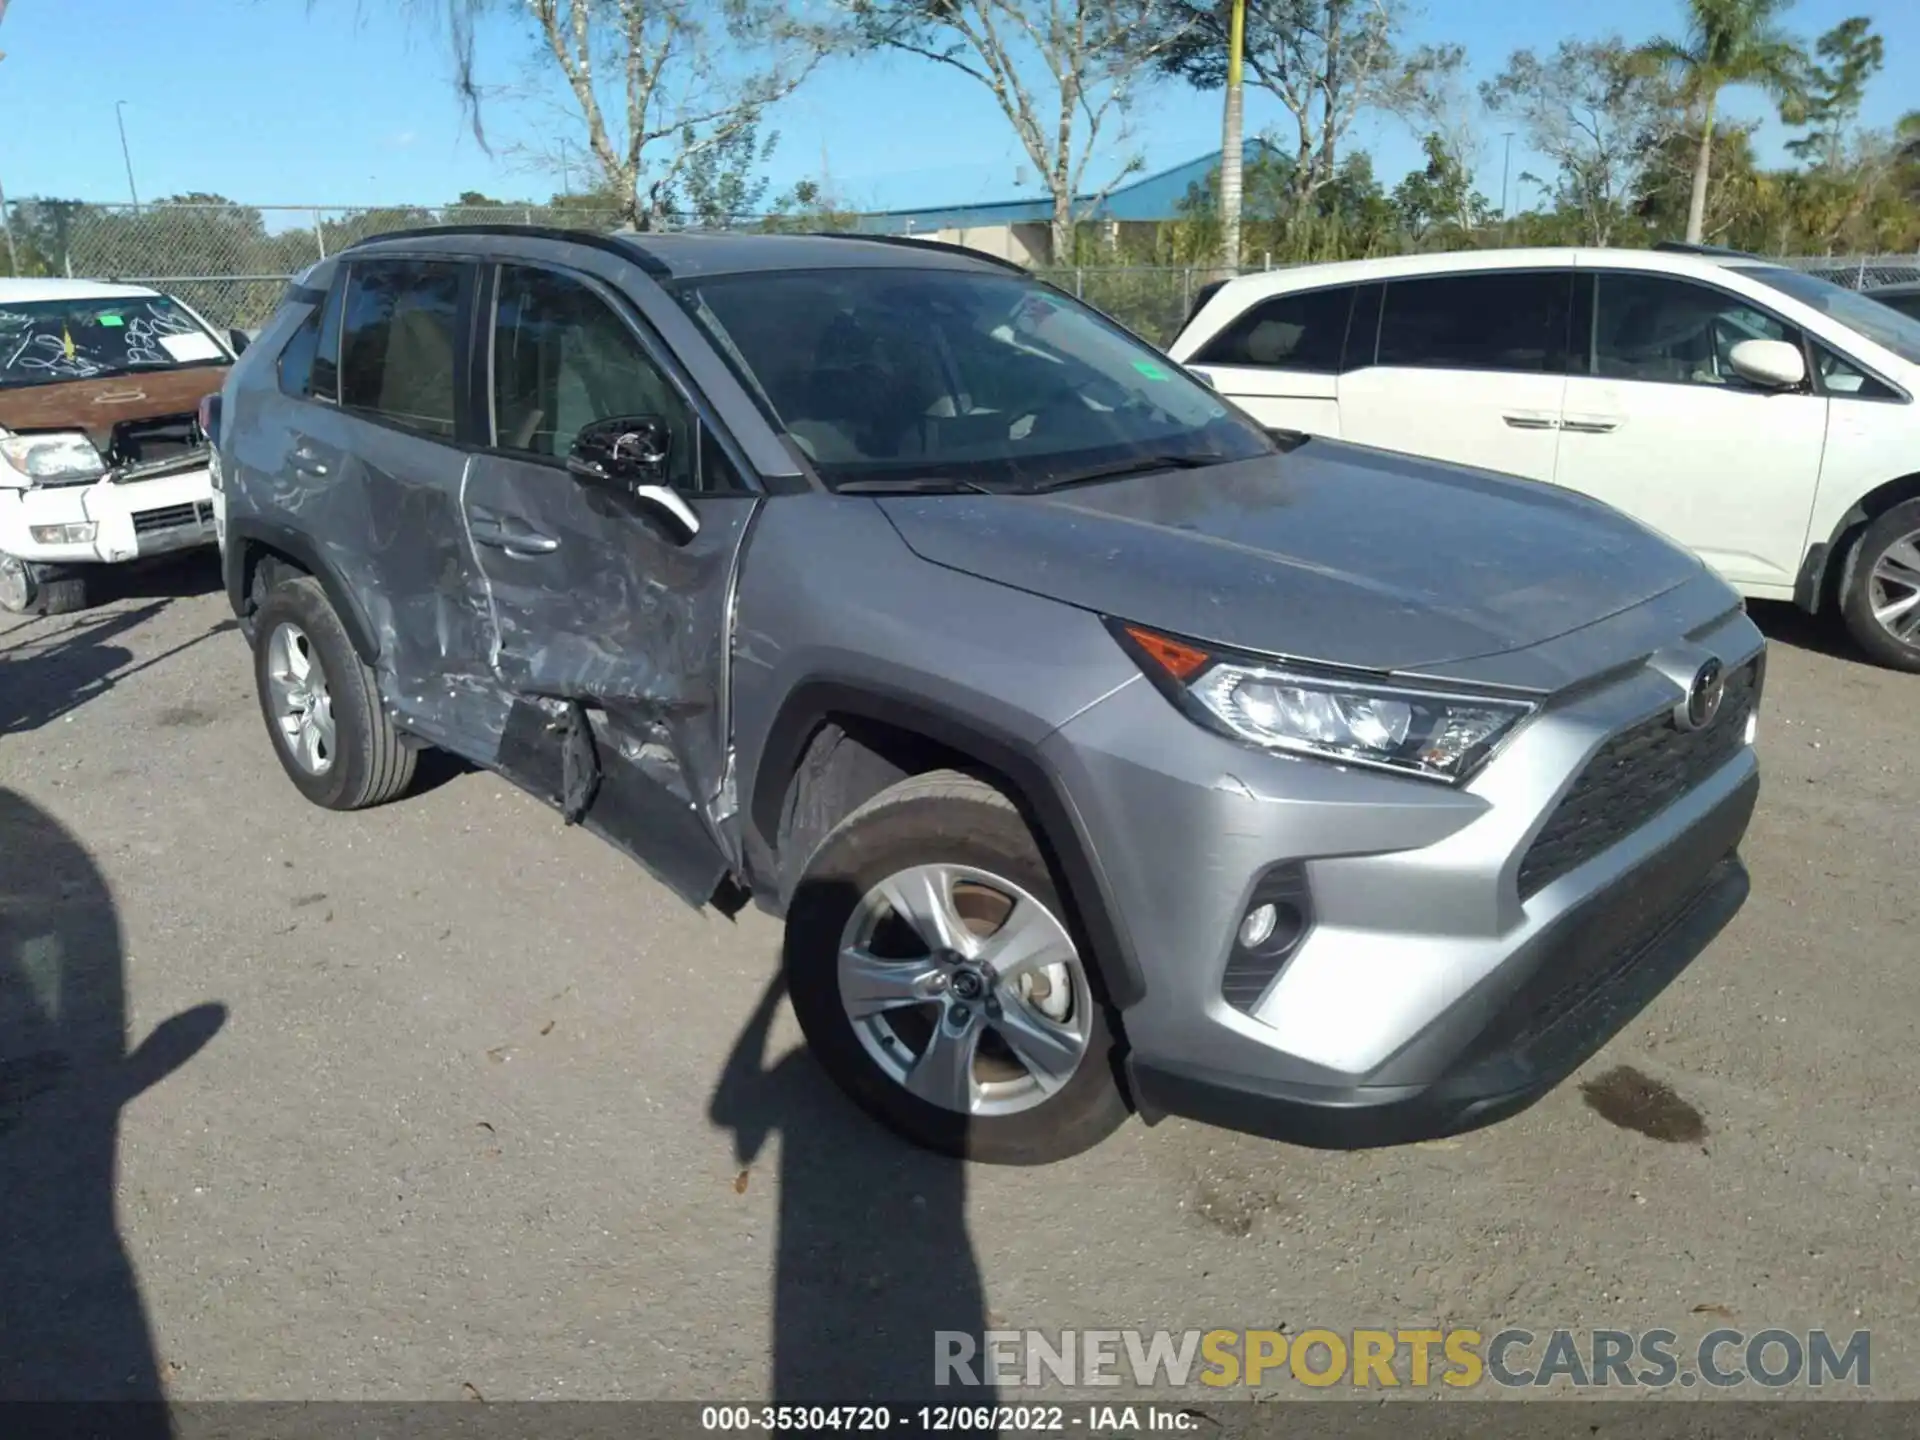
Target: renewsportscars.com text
1410	1358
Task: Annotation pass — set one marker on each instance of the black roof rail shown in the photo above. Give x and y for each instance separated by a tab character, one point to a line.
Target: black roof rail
946	245
624	246
1687	247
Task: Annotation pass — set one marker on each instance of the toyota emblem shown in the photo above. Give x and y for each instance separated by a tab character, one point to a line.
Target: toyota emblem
1704	696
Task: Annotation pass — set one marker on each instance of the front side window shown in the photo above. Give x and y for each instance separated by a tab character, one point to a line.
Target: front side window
1288	332
957	377
563	359
400	343
1671	331
44	342
1880	323
1840	376
1513	320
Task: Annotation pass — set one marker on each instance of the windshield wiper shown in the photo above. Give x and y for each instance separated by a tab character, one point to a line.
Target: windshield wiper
912	485
1138	465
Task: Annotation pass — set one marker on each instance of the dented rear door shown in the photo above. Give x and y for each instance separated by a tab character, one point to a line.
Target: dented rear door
597	600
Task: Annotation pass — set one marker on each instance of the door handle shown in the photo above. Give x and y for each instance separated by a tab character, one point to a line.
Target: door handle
1591	424
308	461
514	537
1532	419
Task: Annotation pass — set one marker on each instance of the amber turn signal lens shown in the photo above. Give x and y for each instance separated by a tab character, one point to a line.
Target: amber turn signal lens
1178	660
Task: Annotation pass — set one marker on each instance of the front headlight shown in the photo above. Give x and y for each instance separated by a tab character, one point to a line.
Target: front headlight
58	455
1438	735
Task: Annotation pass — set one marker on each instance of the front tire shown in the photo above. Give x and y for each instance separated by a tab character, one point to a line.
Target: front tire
25	589
1882	603
937	982
322	704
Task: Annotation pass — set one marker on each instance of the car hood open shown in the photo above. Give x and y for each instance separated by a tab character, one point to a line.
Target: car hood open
1331	553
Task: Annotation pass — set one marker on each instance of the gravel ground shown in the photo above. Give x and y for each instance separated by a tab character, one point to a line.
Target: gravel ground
446	1100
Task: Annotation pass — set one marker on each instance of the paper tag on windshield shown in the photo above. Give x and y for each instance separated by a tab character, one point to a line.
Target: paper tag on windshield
190	347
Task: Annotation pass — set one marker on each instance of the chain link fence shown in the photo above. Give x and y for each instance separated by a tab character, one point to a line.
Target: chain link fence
231	262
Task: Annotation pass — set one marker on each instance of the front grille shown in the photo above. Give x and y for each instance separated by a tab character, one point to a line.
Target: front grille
1633	777
171	517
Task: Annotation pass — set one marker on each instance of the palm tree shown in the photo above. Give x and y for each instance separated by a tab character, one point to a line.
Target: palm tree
1728	42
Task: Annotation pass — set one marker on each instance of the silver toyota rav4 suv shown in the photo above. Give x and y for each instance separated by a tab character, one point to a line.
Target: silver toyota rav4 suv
1101	749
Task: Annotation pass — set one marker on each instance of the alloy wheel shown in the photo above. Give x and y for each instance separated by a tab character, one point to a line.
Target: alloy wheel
966	990
1893	589
302	706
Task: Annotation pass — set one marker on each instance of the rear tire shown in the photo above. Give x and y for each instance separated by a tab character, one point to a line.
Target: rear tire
332	734
25	589
1030	1049
1882	602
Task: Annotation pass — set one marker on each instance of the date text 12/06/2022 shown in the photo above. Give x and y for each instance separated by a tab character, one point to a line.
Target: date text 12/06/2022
1086	1419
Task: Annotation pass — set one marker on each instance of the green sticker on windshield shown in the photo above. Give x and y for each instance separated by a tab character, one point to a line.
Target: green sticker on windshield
1152	370
112	320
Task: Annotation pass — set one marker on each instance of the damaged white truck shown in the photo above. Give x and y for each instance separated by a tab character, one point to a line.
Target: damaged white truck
103	458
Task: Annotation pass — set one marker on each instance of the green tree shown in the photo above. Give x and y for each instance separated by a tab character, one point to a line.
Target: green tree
1729	43
1328	62
1438	201
1850	55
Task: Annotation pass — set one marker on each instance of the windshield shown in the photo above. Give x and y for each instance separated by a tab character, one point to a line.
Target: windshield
1879	323
46	341
958	377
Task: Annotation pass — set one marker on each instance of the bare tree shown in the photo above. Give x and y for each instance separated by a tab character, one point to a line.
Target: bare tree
655	84
1595	110
1327	61
1063	72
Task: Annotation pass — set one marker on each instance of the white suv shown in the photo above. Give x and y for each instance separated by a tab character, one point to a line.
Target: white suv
1762	417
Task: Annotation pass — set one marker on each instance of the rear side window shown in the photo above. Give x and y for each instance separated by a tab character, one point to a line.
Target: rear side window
1288	332
400	343
1513	320
296	359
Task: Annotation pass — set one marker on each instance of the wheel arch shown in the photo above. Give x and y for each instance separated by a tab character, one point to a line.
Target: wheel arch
833	745
250	543
1822	581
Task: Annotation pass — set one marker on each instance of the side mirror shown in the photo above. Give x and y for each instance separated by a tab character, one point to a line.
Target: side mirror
1771	364
628	454
238	340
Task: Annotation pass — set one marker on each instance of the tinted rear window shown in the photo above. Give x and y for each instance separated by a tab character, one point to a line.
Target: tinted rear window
1303	331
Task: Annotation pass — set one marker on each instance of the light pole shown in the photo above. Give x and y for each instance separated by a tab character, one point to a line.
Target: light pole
1506	168
1232	145
126	154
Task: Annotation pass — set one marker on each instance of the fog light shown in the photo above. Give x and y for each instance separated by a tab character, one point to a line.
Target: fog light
1257	928
76	534
1753	725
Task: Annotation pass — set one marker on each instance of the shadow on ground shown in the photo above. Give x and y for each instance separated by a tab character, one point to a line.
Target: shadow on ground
72	1326
1784	623
55	667
873	1254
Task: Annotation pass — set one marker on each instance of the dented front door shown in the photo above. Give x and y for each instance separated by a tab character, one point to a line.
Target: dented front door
601	600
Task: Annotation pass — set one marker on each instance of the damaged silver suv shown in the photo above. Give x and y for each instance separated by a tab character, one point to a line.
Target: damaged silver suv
1101	749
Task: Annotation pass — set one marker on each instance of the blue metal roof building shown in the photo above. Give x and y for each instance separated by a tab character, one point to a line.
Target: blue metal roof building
1151	198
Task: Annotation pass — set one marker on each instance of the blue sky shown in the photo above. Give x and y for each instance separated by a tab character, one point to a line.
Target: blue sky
268	102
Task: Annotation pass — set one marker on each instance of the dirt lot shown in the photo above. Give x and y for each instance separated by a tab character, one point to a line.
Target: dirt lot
444	1099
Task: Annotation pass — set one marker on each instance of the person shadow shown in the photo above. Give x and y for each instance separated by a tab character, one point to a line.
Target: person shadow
72	1326
873	1259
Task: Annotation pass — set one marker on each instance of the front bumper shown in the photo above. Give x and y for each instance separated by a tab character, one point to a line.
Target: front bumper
1427	938
132	519
1523	1031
